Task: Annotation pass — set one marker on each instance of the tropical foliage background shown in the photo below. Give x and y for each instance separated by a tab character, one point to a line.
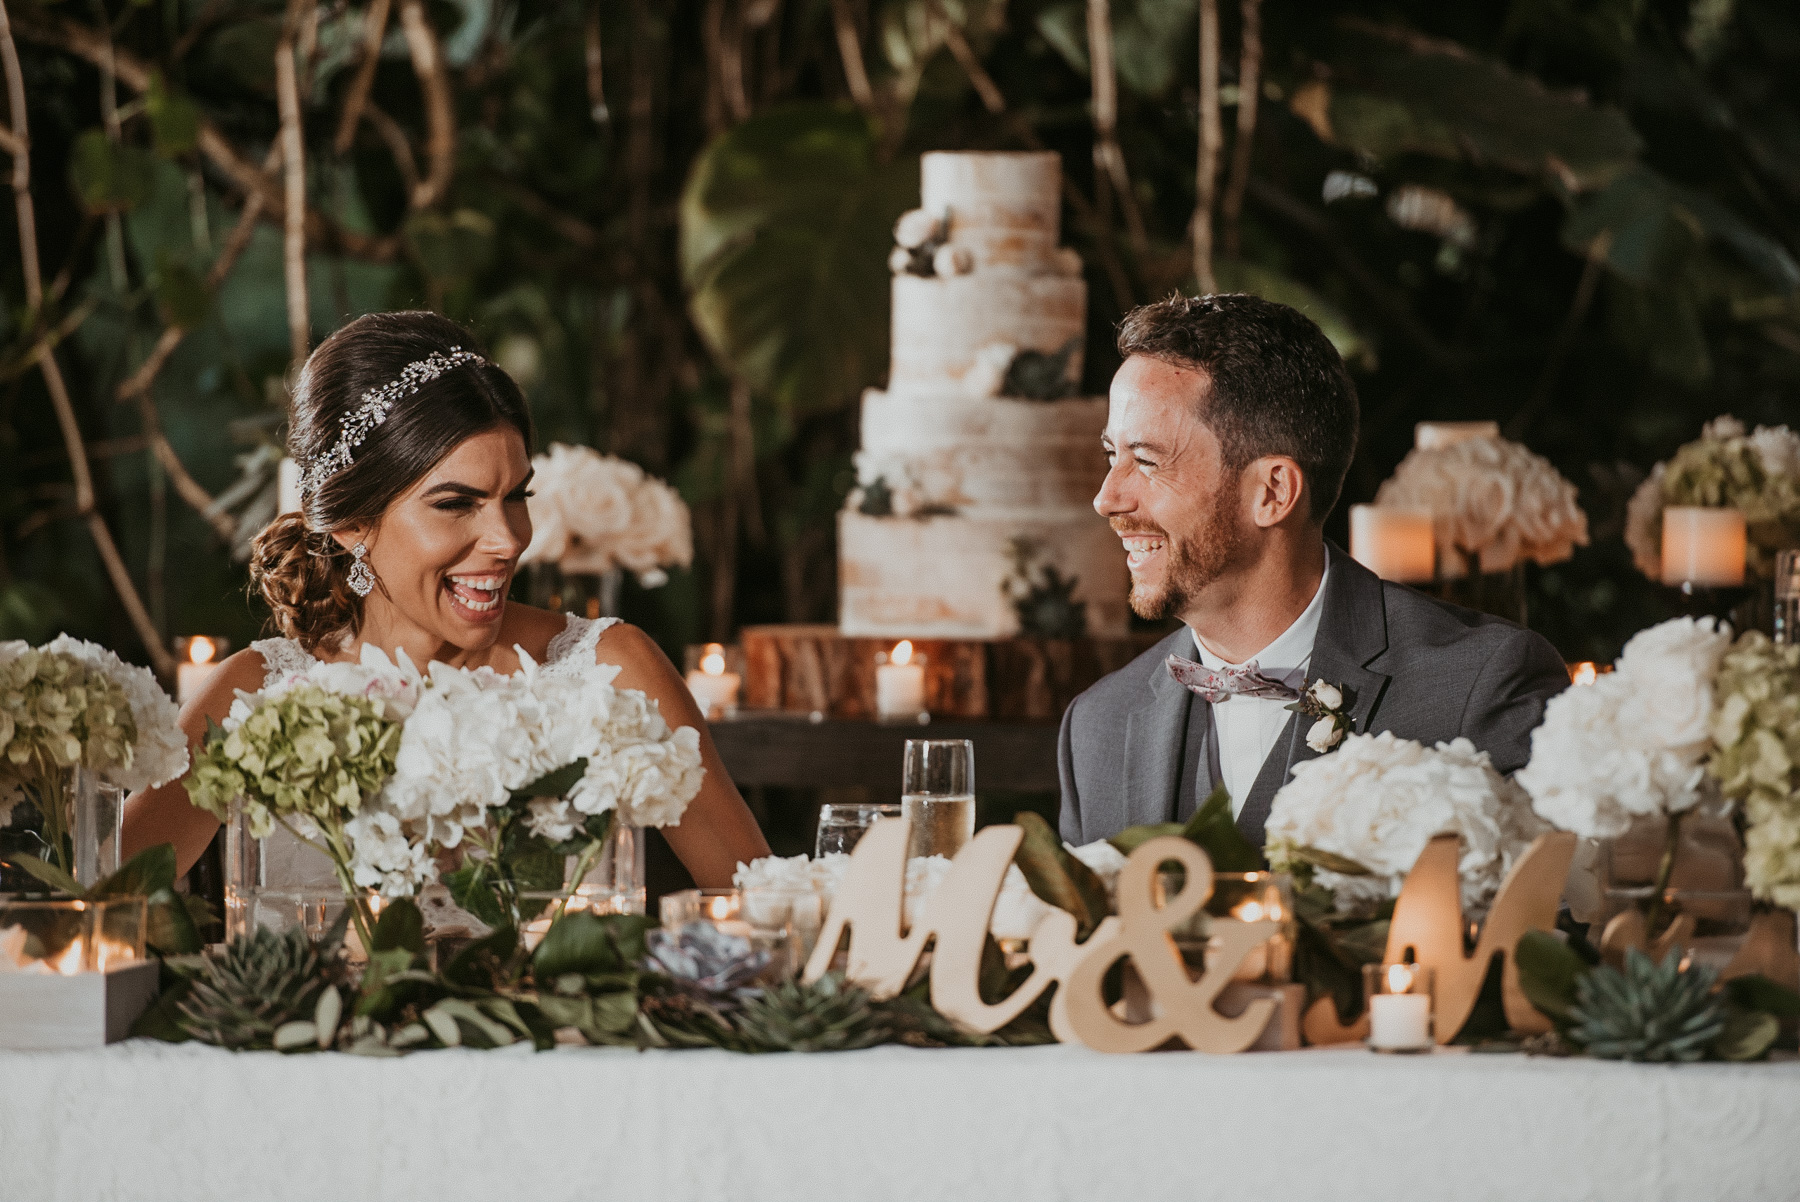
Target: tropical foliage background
670	221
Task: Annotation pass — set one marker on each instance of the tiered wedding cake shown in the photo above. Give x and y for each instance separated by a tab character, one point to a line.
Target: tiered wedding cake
978	471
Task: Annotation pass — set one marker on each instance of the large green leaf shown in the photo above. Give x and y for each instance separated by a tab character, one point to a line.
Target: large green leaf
1215	830
588	944
1151	40
110	178
1394	93
1056	876
174	118
786	223
1238	276
1548	972
400	928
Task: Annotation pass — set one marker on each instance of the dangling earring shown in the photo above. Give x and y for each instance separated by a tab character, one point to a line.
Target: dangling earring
362	580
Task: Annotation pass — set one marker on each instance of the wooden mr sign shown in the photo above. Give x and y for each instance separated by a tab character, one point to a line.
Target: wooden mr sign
883	953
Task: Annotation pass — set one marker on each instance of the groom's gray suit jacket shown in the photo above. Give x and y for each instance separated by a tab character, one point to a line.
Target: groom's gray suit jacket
1137	747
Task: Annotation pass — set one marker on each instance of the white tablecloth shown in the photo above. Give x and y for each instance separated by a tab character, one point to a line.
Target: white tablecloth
147	1122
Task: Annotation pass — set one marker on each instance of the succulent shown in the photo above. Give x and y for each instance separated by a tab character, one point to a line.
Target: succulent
1037	376
877	499
1049	609
829	1015
1650	1011
239	997
709	965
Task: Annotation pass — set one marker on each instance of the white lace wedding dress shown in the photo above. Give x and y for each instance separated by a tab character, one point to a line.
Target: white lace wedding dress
288	863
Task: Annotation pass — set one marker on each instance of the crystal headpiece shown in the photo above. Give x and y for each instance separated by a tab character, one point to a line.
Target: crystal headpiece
373	409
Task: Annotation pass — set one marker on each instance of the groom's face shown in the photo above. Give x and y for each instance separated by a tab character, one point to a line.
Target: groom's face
1168	494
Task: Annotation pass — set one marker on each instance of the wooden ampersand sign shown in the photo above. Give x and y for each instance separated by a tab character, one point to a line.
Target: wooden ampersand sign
883	954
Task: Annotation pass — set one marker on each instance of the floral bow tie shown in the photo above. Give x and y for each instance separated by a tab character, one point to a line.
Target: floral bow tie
1214	687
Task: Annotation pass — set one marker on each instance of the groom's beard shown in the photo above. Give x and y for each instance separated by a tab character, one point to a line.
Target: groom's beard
1194	562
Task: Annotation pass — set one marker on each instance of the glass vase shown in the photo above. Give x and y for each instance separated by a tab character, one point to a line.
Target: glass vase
616	882
584	594
1705	874
70	819
96	821
280	882
1499	593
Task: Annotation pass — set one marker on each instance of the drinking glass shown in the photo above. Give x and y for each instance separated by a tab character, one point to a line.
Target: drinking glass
1787	597
841	826
937	794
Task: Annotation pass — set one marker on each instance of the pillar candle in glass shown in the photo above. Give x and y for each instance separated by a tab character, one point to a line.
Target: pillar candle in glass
1433	436
1703	547
199	657
1396	544
900	683
712	681
1399	1000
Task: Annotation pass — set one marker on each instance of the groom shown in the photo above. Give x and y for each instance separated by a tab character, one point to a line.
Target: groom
1232	424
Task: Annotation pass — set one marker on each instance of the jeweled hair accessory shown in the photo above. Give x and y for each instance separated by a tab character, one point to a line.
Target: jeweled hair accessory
373	409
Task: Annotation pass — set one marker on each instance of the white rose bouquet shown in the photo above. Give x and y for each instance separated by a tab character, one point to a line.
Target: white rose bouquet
1756	472
1355	821
593	513
74	705
1492	501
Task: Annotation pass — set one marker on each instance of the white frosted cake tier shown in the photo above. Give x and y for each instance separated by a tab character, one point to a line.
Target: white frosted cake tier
988	454
944	577
941	325
1005	207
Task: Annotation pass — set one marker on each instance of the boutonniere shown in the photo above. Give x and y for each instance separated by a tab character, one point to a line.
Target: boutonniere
1323	702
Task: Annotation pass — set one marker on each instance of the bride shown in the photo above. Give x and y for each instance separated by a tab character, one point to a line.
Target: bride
415	460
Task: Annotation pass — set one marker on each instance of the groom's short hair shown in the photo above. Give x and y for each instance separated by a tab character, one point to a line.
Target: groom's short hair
1277	385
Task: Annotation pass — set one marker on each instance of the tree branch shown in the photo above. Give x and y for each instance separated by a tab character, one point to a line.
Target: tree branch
1109	159
53	380
1231	207
595	62
375	22
390	132
1206	168
440	114
293	155
991	97
849	43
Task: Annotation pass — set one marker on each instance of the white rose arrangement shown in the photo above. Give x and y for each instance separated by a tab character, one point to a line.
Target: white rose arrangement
73	704
593	513
1374	803
1756	472
1493	501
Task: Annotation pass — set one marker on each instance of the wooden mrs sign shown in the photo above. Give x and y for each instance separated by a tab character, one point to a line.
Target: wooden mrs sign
883	953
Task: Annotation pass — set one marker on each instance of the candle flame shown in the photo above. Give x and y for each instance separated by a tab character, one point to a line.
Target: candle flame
1399	978
69	963
113	951
201	650
903	652
713	661
1584	673
1250	911
718	908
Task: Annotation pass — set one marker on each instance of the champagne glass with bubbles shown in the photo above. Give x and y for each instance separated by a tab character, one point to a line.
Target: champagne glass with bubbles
937	795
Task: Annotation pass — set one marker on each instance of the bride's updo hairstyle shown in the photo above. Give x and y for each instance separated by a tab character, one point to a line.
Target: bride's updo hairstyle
300	570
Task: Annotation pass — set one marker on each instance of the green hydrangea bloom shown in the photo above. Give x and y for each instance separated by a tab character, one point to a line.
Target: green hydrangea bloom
1756	761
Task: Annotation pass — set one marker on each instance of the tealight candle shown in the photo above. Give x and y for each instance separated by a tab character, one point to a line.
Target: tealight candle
1435	436
1255	965
1703	547
1585	672
1396	544
715	690
1399	1000
900	683
192	675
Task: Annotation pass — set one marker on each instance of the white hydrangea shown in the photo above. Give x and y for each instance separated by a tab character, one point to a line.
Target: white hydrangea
1493	500
1634	742
1379	799
385	857
161	751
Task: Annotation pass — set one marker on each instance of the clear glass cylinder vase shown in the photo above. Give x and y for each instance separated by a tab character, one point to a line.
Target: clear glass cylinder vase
96	825
586	594
1499	593
616	882
279	882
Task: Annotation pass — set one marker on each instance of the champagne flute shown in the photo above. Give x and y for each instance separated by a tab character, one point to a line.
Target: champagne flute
937	795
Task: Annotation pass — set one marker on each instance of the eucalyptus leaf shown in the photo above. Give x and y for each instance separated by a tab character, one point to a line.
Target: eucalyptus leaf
297	1036
1548	973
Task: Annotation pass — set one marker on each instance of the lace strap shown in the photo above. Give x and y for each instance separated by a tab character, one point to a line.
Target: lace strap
578	640
281	657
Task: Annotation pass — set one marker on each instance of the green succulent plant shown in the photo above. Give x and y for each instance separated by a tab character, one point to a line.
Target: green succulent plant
1648	1011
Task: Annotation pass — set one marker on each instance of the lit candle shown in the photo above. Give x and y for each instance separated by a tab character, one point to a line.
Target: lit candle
721	909
1703	547
191	677
1255	965
900	683
1399	1021
1396	544
1435	436
1585	672
715	690
288	475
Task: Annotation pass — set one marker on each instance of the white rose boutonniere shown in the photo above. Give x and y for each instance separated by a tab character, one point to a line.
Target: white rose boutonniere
1323	702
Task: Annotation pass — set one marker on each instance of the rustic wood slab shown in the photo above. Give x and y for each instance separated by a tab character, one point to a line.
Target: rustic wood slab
813	668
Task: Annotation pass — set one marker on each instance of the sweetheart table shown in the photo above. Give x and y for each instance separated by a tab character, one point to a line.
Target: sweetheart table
146	1122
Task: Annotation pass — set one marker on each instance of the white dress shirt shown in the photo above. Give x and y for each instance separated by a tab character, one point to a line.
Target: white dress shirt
1245	728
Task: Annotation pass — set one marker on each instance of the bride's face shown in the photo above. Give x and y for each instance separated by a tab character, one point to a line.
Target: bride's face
445	550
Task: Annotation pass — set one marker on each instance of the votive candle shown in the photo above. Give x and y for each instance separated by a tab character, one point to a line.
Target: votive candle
1435	436
1396	544
1703	547
900	683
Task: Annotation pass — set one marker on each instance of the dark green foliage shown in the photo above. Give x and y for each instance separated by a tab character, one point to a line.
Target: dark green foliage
830	1015
1036	376
1048	610
1649	1011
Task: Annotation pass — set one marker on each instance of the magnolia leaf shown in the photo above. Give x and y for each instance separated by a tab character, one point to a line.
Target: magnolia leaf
1056	876
108	177
327	1013
443	1026
1215	831
1748	1035
170	928
590	944
1757	992
48	873
400	928
149	872
471	888
555	783
786	224
174	118
1548	972
1328	860
163	1019
297	1036
1134	837
481	964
